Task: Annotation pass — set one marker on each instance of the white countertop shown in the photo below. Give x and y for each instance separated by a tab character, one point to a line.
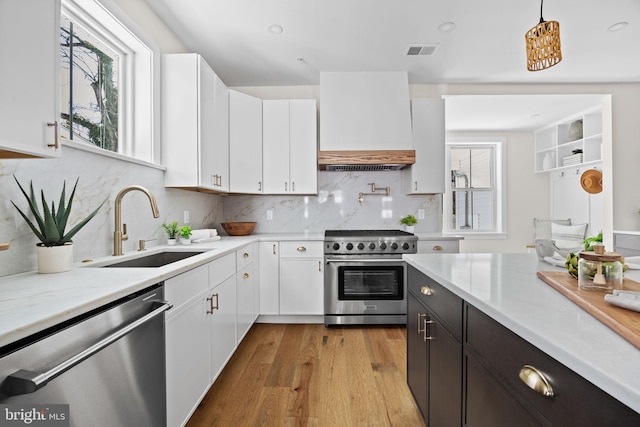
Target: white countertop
31	302
505	287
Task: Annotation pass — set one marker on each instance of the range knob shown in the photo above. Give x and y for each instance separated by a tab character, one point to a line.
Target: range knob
361	246
383	246
349	246
394	246
405	246
336	246
372	246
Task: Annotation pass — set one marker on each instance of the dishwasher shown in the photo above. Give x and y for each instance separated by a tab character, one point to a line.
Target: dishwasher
103	368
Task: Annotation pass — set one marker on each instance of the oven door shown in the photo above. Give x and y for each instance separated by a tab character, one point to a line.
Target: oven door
365	290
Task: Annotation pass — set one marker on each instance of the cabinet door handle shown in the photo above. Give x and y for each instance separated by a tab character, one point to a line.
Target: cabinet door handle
274	249
437	248
293	186
536	380
285	186
420	316
301	249
426	290
427	331
245	276
55	144
220	181
211	306
319	265
259	185
416	185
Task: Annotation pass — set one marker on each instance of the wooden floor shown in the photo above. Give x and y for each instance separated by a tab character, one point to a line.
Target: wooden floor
308	375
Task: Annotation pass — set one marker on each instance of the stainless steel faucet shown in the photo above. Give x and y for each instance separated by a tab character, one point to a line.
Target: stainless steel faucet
121	229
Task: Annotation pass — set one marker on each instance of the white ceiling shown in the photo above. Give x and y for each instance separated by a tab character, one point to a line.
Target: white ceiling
486	46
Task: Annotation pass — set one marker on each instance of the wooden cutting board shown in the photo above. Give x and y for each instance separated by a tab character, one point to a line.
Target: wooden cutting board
624	322
4	246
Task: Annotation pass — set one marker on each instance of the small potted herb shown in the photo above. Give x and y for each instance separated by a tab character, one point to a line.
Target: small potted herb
172	232
409	221
185	235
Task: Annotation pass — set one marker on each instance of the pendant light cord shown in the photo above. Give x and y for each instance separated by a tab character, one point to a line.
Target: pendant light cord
541	19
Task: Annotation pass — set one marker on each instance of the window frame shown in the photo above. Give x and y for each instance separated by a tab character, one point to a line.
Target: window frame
498	145
139	83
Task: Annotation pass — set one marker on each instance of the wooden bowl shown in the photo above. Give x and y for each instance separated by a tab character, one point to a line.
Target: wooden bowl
238	228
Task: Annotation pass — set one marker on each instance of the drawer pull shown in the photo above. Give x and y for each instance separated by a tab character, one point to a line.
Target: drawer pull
245	276
536	380
301	249
420	316
437	248
211	306
426	290
245	255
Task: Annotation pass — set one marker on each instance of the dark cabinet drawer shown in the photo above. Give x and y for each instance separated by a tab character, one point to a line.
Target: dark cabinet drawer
442	303
575	402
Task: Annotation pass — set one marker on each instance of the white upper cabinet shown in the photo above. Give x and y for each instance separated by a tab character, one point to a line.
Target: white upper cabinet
245	143
29	78
574	141
427	175
194	124
290	146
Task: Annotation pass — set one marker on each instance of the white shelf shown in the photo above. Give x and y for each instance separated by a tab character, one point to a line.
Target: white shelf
553	142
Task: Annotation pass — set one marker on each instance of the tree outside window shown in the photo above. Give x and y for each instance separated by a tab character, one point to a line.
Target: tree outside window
89	87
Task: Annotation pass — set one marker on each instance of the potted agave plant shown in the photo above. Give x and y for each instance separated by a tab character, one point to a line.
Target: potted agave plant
172	232
55	250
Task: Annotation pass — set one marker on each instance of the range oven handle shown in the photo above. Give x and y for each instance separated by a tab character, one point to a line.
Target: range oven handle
24	382
367	261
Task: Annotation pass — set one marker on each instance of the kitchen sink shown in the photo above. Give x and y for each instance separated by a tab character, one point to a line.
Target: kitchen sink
157	259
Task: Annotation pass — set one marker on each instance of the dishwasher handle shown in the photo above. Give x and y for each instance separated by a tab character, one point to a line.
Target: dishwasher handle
24	382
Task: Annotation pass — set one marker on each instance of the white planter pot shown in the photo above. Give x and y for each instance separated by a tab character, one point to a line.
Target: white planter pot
55	259
409	228
171	242
185	241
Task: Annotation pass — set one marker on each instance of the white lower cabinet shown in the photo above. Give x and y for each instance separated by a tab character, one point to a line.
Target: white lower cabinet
244	290
438	246
269	278
222	325
188	366
301	278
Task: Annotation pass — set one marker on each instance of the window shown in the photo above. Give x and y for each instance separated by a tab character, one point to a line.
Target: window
107	82
473	202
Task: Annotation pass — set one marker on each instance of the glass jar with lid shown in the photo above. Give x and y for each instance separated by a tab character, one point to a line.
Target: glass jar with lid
602	272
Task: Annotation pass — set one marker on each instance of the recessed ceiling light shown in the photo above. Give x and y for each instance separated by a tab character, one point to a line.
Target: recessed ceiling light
617	26
276	29
445	27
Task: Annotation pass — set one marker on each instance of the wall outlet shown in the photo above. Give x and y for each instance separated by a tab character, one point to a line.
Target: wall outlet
420	213
186	217
269	215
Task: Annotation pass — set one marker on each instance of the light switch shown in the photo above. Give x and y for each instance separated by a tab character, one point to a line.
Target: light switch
186	217
420	213
269	214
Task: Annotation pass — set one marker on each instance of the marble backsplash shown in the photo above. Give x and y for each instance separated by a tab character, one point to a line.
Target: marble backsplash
101	178
336	206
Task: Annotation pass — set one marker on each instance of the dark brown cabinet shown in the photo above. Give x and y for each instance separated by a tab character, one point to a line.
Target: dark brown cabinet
434	354
466	369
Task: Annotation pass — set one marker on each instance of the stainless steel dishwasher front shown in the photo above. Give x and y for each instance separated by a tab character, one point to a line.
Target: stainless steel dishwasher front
108	365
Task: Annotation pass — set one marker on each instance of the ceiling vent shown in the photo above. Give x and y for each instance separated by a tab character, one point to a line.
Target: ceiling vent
422	49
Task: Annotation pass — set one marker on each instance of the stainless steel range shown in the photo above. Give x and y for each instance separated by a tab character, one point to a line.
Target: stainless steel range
365	278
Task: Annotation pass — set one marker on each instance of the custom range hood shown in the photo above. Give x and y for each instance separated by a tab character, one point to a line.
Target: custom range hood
365	121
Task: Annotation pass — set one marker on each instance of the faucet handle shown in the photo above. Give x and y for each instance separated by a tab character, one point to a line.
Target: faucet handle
125	236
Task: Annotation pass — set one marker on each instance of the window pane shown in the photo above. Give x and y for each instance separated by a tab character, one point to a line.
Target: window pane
471	167
472	210
89	93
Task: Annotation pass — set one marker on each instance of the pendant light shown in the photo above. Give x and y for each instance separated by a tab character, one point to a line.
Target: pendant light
543	44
